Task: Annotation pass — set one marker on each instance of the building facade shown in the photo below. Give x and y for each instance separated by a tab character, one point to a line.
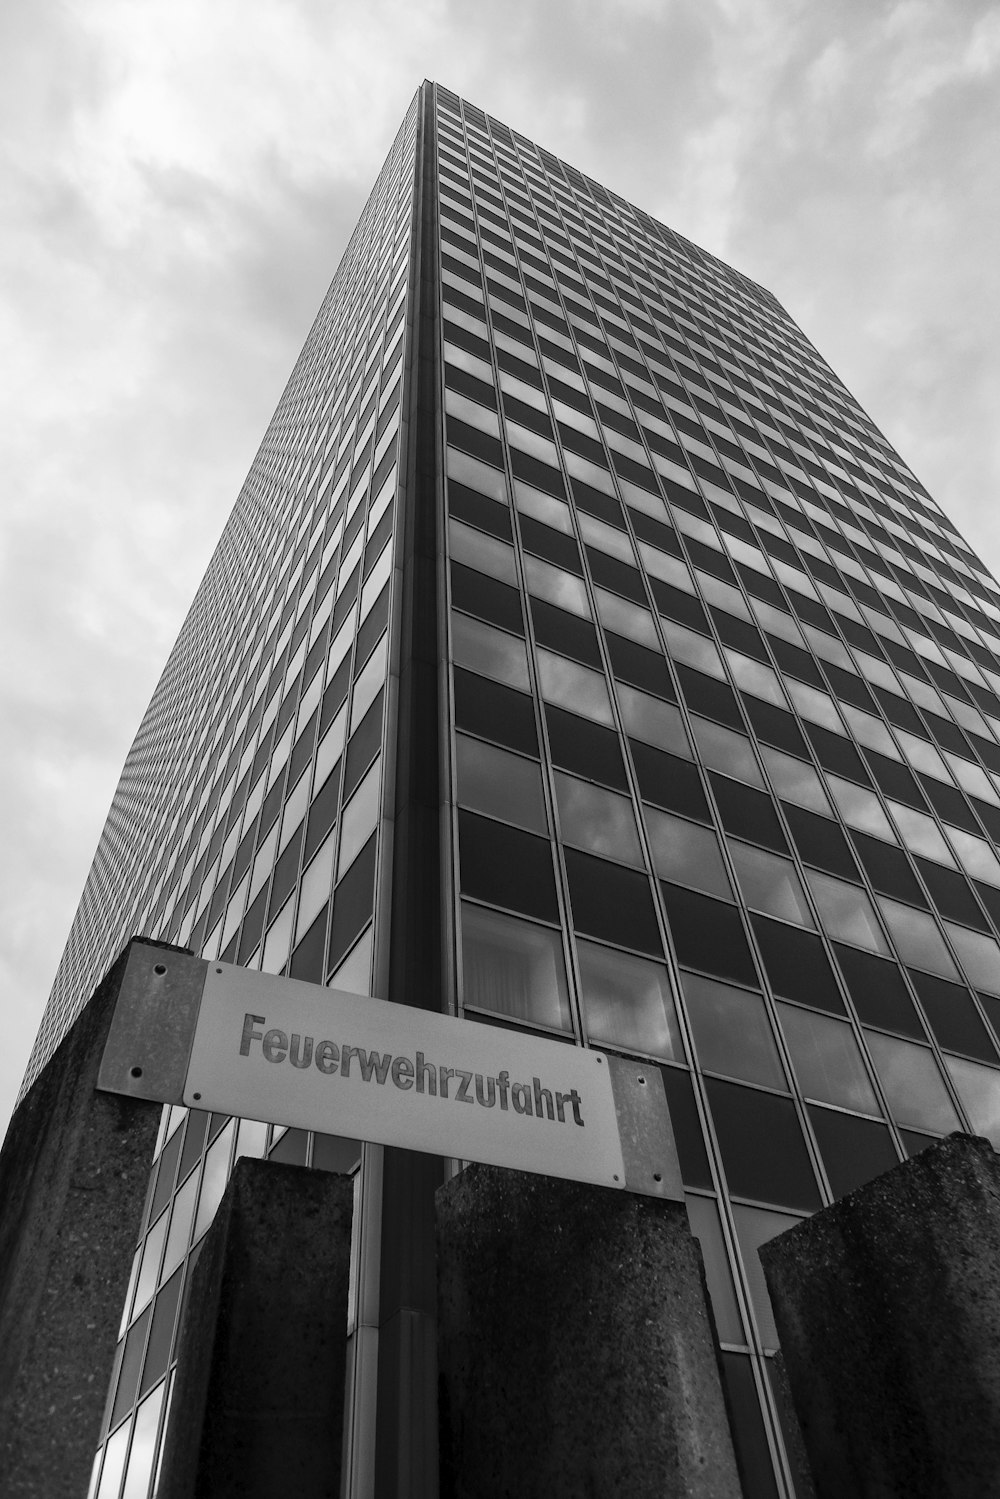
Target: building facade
579	658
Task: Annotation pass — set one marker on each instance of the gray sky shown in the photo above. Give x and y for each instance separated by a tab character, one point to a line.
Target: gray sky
179	180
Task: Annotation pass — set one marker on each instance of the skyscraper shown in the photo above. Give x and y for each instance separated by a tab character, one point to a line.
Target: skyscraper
578	657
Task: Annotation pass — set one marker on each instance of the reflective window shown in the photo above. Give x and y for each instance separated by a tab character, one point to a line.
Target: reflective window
575	687
920	833
754	1227
979	956
598	820
917	937
687	853
912	1083
769	883
513	968
732	1032
846	912
627	1001
359	816
859	808
979	1089
653	721
853	1150
500	784
763	1151
722	749
827	1059
975	856
483	648
794	780
703	1214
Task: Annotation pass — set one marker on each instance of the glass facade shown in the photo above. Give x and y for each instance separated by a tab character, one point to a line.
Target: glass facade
712	706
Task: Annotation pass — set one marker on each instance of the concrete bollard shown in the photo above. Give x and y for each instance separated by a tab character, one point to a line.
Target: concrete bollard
888	1310
74	1171
575	1345
258	1399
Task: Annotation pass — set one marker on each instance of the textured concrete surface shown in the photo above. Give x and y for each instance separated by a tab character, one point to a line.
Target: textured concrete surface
576	1351
74	1171
258	1402
888	1311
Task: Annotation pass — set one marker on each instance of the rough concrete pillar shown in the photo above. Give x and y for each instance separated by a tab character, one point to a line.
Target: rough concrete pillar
575	1345
258	1400
74	1171
888	1310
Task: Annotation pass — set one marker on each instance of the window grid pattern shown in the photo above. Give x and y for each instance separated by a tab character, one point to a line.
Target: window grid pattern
279	690
724	743
726	697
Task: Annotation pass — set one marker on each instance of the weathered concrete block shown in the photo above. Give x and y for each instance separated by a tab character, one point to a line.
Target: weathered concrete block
74	1171
575	1346
258	1401
888	1310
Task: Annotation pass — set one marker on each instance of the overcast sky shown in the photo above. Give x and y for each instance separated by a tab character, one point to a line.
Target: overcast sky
178	180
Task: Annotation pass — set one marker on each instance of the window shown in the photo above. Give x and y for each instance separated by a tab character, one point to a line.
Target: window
513	968
506	867
796	966
853	1150
687	853
627	1001
827	1059
912	1084
500	784
612	903
763	1151
732	1032
846	912
769	884
748	814
917	938
708	934
601	821
979	1089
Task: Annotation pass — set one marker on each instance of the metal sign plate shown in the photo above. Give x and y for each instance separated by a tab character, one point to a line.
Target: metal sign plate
293	1053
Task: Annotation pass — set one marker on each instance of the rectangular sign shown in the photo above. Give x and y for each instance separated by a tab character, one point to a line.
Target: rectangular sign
215	1036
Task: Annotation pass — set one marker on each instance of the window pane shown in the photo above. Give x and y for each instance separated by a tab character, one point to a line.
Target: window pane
980	957
143	1451
627	1001
703	1214
483	648
574	687
500	784
769	883
513	967
653	721
853	1150
846	912
912	1084
917	938
723	749
685	852
827	1059
794	780
860	808
754	1226
601	821
920	833
979	1089
763	1151
359	817
732	1032
708	934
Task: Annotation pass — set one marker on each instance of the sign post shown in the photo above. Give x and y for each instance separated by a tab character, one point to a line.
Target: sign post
214	1036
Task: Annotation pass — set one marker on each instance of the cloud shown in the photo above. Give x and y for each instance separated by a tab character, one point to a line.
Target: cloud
180	181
